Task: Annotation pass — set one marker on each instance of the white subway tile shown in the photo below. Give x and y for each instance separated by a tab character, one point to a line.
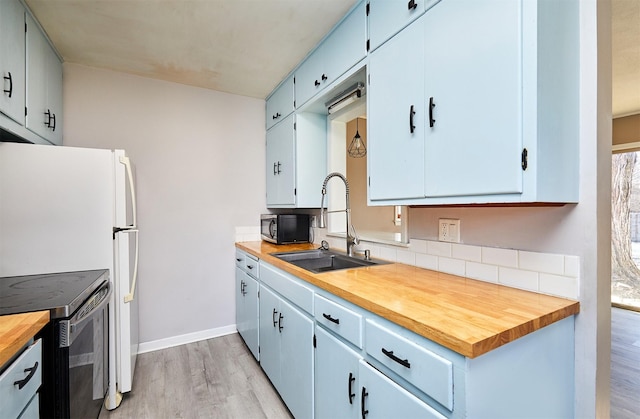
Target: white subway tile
517	278
418	246
466	252
483	272
439	248
562	286
406	257
541	262
427	261
388	253
572	266
501	257
451	266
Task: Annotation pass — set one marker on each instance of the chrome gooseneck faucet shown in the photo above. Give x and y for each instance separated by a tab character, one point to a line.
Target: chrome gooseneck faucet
352	239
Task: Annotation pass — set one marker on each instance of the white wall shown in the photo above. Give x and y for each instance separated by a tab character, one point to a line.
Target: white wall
199	160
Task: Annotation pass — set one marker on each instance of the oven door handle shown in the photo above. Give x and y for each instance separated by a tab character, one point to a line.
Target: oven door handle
69	329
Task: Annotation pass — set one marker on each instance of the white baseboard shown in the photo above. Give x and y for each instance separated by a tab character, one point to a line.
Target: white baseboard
156	345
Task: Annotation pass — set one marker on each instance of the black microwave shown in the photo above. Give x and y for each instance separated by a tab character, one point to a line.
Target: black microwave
285	228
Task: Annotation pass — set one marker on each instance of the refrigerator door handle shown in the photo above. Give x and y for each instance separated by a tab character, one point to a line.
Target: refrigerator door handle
127	163
129	297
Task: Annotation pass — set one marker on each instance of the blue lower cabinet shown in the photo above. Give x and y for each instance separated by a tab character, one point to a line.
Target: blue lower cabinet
380	397
336	380
286	351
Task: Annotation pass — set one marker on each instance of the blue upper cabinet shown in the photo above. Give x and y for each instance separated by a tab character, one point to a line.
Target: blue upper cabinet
396	117
12	60
341	49
497	113
280	103
473	141
388	17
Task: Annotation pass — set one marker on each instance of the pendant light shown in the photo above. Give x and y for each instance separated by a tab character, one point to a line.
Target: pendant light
357	147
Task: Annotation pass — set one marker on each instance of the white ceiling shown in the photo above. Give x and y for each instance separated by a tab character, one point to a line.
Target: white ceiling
246	46
238	46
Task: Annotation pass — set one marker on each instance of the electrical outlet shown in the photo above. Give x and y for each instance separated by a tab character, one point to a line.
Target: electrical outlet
449	230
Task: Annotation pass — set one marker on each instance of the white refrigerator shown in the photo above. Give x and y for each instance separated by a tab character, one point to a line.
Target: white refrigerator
68	209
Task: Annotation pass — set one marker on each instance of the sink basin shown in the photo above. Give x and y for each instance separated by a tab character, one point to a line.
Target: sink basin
319	260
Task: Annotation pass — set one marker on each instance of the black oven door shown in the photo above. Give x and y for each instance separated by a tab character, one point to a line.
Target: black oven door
82	360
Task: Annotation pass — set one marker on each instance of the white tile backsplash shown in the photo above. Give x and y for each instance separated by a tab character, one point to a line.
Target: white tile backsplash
572	266
439	248
500	257
541	262
418	246
466	252
559	285
545	273
518	278
406	257
487	273
427	261
451	266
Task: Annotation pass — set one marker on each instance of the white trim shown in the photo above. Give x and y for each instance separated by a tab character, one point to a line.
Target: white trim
156	345
626	146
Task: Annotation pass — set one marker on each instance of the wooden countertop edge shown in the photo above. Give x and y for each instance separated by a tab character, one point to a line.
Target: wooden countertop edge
465	348
17	329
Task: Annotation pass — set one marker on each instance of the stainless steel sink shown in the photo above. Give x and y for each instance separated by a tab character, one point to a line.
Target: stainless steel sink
319	260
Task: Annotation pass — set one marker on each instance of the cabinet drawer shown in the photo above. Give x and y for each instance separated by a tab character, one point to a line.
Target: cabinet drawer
424	369
340	319
12	398
286	286
240	259
251	266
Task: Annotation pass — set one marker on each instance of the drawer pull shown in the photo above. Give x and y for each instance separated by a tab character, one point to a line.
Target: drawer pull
249	266
238	260
403	362
23	382
412	4
331	319
411	114
363	396
351	395
273	317
10	91
431	106
280	327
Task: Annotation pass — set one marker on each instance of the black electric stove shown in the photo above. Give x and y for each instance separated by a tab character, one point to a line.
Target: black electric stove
60	293
76	340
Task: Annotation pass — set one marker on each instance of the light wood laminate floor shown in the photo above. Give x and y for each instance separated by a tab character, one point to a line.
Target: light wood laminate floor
215	378
625	364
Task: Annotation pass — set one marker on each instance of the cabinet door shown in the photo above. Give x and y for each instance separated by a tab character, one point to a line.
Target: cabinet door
309	80
396	115
336	380
247	310
388	17
12	59
473	73
346	45
280	103
296	360
382	398
37	119
44	92
280	163
54	95
270	336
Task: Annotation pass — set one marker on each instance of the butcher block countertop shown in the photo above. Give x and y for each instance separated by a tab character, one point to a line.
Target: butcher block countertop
17	329
467	316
